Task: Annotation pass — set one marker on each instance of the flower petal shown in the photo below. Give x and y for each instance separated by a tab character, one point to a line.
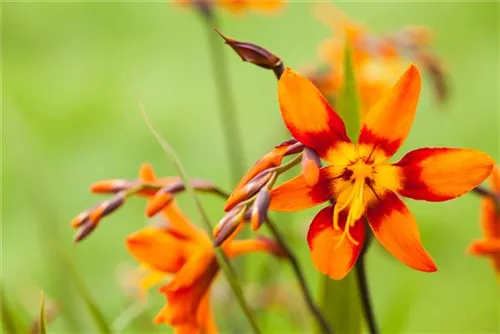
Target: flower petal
308	115
157	249
440	174
396	229
296	194
186	290
180	224
490	218
388	123
329	255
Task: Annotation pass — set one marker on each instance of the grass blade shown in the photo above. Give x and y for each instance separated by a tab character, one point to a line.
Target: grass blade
42	321
96	314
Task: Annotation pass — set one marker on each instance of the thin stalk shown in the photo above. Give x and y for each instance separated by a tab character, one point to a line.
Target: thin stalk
222	259
231	129
365	295
324	326
484	192
313	308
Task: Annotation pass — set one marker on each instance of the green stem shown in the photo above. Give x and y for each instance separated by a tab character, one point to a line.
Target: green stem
365	295
313	308
220	255
227	111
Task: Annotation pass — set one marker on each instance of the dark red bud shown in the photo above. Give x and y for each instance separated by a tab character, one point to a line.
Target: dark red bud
253	53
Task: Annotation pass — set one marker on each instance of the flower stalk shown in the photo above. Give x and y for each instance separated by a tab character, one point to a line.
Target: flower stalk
219	253
231	128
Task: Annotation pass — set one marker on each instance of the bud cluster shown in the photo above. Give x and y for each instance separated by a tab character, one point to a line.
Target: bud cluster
251	198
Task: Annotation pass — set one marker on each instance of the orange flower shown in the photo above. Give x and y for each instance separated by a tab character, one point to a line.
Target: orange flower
362	180
185	251
490	219
378	60
238	6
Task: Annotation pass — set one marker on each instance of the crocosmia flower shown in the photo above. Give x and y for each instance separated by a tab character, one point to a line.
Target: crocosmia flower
182	251
378	60
238	6
364	185
489	246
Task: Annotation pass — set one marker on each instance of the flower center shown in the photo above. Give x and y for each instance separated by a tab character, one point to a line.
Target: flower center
352	198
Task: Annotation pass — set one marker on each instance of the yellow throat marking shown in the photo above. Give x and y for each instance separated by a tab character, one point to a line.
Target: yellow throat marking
354	202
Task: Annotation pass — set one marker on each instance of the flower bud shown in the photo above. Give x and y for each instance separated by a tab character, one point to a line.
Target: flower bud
112	186
84	230
310	166
105	208
249	189
259	209
253	53
227	225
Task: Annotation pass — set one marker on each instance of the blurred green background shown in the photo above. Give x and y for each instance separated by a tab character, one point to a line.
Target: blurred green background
72	76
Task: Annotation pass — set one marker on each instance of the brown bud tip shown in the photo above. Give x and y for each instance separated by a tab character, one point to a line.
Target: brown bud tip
249	189
310	166
227	225
84	230
80	219
259	209
105	208
111	186
160	200
252	53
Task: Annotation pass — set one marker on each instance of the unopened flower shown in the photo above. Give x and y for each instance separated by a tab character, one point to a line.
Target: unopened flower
489	246
362	181
266	163
255	54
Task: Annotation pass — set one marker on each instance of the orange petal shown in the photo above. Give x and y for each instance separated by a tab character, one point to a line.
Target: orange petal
440	174
296	194
180	224
396	229
158	249
388	123
329	254
186	290
308	115
205	317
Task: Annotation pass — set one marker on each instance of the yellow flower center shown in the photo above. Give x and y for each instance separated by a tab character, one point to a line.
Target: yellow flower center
352	197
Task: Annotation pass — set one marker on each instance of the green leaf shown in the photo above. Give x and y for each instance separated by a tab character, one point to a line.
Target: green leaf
340	300
42	321
10	323
96	314
348	104
340	303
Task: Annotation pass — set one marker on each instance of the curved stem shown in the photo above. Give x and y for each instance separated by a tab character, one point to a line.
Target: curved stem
313	308
222	259
227	112
364	291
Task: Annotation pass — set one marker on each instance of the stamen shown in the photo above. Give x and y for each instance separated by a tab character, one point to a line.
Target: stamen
356	209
